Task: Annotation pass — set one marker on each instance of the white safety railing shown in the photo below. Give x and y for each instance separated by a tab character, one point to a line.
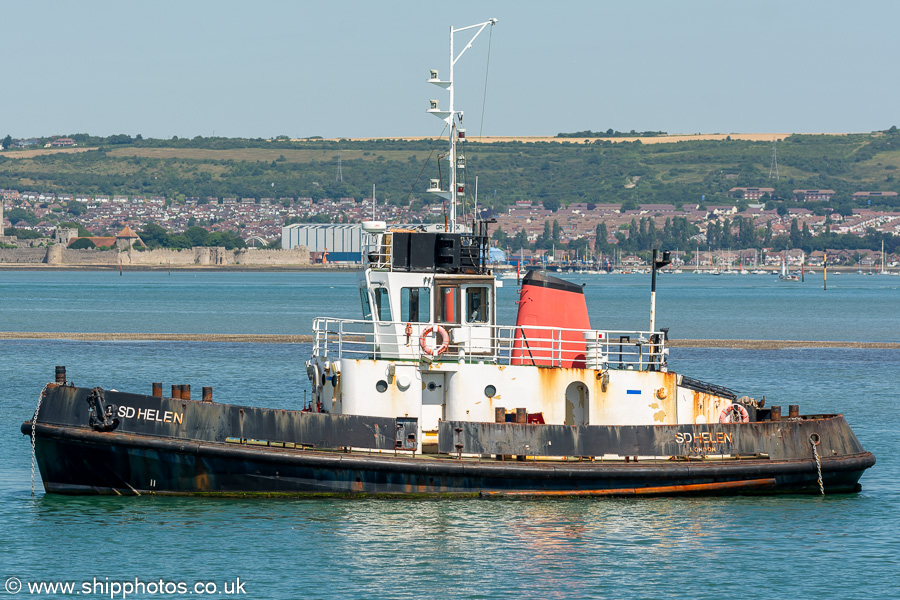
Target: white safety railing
377	251
499	344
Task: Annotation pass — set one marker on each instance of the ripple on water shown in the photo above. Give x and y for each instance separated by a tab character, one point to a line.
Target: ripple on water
836	547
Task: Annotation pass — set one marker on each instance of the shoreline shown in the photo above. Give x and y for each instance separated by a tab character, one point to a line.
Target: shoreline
272	338
315	268
200	268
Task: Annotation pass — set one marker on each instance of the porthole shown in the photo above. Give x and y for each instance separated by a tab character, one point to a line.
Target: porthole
381	386
490	391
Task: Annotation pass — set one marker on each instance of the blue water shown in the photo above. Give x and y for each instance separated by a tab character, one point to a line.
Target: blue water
854	308
733	548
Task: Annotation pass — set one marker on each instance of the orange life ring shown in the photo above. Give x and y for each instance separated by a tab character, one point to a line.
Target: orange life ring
438	349
728	413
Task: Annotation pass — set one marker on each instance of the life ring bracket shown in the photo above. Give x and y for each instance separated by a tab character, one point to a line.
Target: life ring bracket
438	348
734	413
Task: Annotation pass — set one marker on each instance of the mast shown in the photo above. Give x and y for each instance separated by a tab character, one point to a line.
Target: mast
452	118
657	264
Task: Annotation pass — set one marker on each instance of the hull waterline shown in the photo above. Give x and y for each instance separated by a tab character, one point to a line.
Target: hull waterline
152	456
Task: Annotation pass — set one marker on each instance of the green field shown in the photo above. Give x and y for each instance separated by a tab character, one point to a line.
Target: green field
686	172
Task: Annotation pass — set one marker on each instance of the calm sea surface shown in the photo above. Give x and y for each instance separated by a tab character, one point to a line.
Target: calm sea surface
732	548
854	308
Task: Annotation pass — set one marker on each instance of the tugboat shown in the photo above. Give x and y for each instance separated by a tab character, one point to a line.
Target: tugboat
428	395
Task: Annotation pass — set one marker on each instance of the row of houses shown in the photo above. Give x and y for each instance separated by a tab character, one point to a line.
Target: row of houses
580	220
263	218
757	193
260	219
61	142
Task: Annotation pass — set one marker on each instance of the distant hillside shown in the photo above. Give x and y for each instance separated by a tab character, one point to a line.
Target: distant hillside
610	133
560	171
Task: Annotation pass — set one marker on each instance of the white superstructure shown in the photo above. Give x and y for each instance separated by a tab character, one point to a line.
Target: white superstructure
428	346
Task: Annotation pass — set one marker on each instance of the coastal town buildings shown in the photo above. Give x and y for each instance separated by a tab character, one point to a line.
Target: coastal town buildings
752	193
814	195
261	220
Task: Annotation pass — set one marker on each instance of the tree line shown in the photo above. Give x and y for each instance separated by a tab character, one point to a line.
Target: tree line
156	236
153	235
610	133
642	235
552	173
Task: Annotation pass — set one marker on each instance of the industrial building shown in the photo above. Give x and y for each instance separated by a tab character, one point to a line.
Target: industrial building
343	242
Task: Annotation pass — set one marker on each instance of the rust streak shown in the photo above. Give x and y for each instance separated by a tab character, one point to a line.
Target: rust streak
672	489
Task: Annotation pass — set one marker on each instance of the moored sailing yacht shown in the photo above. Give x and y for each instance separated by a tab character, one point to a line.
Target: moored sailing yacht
785	276
428	394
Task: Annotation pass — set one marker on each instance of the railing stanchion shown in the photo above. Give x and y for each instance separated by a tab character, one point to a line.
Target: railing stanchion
552	345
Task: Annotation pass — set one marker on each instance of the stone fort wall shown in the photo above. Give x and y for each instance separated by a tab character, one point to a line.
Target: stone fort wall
200	256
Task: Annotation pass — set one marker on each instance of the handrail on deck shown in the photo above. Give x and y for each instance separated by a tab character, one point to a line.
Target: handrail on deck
498	344
377	251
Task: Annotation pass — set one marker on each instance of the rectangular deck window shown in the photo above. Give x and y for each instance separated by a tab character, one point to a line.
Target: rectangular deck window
448	304
382	304
477	304
415	304
366	307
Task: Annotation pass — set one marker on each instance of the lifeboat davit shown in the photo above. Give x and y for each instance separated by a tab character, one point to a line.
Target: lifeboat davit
547	301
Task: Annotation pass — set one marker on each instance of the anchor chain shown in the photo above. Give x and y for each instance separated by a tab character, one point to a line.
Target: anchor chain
814	440
34	433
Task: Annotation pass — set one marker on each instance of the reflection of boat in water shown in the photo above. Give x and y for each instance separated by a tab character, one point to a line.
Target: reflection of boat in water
427	394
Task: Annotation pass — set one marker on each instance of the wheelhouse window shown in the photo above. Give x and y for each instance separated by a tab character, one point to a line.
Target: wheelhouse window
366	307
415	304
382	304
448	304
477	304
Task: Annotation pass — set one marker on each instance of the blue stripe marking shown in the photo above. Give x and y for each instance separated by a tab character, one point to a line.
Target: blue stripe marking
633	392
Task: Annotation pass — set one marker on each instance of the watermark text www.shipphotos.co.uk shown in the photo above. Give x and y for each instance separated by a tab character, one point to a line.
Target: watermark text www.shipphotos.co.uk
122	588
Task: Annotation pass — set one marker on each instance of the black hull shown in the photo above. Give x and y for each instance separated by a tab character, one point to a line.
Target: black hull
79	461
135	458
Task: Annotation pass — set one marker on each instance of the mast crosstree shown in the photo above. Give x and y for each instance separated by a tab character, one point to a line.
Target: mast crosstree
453	119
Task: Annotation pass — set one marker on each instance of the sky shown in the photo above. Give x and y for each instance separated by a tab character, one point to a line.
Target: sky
357	68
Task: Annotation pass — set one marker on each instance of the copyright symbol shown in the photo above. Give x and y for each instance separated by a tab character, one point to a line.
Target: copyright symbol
13	585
